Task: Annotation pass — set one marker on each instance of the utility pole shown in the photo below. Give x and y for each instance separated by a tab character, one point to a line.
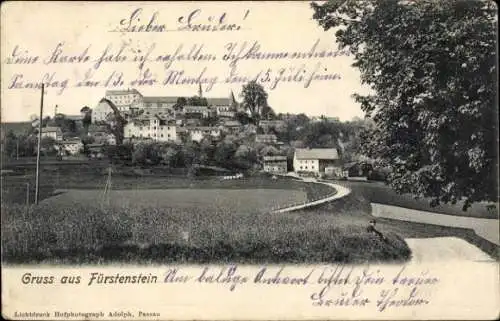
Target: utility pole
17	148
27	194
37	184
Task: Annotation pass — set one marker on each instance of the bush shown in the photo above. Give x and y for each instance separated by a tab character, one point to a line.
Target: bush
377	175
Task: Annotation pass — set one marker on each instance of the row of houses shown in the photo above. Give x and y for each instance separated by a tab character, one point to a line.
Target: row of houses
131	101
158	118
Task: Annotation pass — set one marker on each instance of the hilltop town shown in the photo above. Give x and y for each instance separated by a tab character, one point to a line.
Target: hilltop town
127	126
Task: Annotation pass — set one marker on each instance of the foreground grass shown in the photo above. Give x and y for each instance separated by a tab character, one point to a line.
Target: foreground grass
90	234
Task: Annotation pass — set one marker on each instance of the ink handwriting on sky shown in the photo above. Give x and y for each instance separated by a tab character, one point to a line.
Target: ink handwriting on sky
195	20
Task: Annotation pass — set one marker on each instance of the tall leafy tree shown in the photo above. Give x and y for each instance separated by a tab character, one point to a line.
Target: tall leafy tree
432	69
66	125
268	113
196	101
115	123
10	144
181	102
87	118
254	100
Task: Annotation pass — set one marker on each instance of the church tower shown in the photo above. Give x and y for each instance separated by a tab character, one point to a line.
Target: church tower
234	103
200	91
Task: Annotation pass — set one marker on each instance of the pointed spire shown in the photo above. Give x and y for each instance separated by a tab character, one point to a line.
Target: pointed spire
234	103
200	92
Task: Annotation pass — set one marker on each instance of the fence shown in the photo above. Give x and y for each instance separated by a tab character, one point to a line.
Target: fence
237	176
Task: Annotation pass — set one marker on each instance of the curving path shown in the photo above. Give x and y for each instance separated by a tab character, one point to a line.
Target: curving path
445	249
485	228
341	192
436	249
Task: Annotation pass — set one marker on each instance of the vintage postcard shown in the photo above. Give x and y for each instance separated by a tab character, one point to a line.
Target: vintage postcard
286	160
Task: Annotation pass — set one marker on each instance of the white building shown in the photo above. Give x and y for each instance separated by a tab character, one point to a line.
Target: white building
275	164
52	132
204	111
198	133
159	102
154	128
162	112
232	126
278	125
225	111
101	135
266	139
315	160
72	146
124	100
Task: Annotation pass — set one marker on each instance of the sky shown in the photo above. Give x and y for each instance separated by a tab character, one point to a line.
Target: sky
87	29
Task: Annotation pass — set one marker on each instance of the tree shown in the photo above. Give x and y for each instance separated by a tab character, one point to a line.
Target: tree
115	123
432	68
48	146
116	153
11	142
211	120
191	153
321	134
224	153
146	154
207	152
294	127
245	157
242	117
181	102
254	100
353	133
268	113
197	101
87	118
28	145
66	125
269	150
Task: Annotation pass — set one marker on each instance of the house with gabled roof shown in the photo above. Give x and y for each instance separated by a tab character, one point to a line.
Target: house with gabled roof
197	133
151	127
124	100
71	146
52	132
266	139
315	160
159	101
275	164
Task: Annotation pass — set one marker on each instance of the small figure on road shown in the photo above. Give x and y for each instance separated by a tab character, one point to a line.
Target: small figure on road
371	229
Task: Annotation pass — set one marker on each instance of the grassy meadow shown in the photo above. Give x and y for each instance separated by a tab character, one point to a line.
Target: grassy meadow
178	219
157	217
85	233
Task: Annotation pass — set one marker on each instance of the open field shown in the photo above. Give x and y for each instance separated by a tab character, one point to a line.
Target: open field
378	192
189	200
160	219
14	187
152	218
